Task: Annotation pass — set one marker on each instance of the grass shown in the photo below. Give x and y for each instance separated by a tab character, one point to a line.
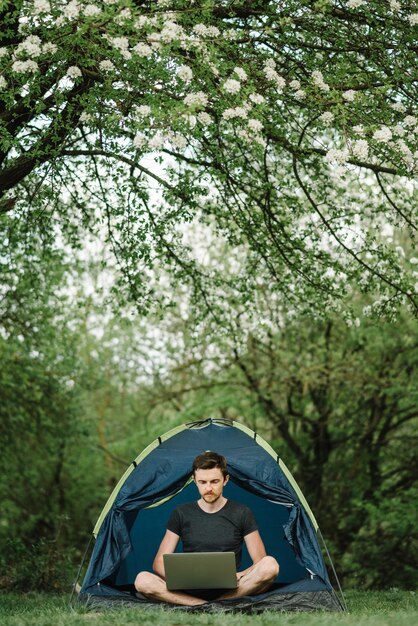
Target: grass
385	608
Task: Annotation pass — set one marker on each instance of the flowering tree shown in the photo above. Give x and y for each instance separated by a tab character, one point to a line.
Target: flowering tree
286	127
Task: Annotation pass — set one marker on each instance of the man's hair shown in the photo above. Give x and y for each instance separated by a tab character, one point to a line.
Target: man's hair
210	460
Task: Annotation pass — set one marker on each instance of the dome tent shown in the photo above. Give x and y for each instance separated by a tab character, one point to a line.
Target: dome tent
132	523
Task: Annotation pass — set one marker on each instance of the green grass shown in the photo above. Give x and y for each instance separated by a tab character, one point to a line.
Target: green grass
389	608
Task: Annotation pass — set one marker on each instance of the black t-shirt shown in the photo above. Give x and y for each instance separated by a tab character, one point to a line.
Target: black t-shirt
222	531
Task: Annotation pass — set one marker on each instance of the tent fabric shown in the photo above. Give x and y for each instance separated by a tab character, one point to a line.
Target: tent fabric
167	469
309	595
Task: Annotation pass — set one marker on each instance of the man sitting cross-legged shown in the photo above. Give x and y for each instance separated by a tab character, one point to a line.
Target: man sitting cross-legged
211	524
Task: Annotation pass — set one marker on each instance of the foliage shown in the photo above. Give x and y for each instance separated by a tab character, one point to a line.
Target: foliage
286	128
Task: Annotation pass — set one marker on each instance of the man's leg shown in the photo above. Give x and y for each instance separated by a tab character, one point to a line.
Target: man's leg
155	588
257	580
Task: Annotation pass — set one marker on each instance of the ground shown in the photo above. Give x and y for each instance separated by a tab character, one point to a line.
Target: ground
384	608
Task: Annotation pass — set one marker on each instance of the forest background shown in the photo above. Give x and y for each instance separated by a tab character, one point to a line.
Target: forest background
208	210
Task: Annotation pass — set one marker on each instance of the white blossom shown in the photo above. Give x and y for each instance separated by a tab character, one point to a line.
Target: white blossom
256	98
398	106
360	148
260	140
144	109
229	114
349	95
155	45
49	48
241	73
294	84
243	134
141	21
231	34
413	260
255	125
3	82
171	32
90	10
41	6
383	134
337	156
300	94
74	72
143	49
178	141
72	10
20	67
327	117
395	5
124	16
231	85
106	65
270	63
280	82
164	4
404	150
318	80
31	46
200	29
185	73
120	43
358	129
272	75
206	31
399	130
410	120
204	118
353	4
3	51
157	141
139	140
86	117
196	99
413	19
241	112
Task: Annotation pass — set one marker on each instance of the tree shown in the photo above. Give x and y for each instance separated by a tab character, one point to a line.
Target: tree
287	127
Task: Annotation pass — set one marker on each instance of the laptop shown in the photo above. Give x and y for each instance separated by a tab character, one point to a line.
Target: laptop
200	570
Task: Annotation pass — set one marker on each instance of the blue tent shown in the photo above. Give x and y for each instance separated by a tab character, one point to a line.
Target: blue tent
132	523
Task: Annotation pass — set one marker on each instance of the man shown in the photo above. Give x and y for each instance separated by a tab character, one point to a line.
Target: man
211	524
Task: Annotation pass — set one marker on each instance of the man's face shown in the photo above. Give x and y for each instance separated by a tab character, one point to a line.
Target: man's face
210	483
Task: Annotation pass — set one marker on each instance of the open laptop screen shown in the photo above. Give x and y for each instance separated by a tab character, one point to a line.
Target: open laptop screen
200	570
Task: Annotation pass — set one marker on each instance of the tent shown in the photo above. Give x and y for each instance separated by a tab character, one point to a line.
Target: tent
132	523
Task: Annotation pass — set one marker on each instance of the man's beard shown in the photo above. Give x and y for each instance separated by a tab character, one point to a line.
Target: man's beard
211	498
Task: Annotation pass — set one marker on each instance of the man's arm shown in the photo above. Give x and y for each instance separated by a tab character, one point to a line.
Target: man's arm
168	545
256	550
255	546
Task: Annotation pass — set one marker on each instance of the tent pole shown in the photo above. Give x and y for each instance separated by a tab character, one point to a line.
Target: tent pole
79	570
333	569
